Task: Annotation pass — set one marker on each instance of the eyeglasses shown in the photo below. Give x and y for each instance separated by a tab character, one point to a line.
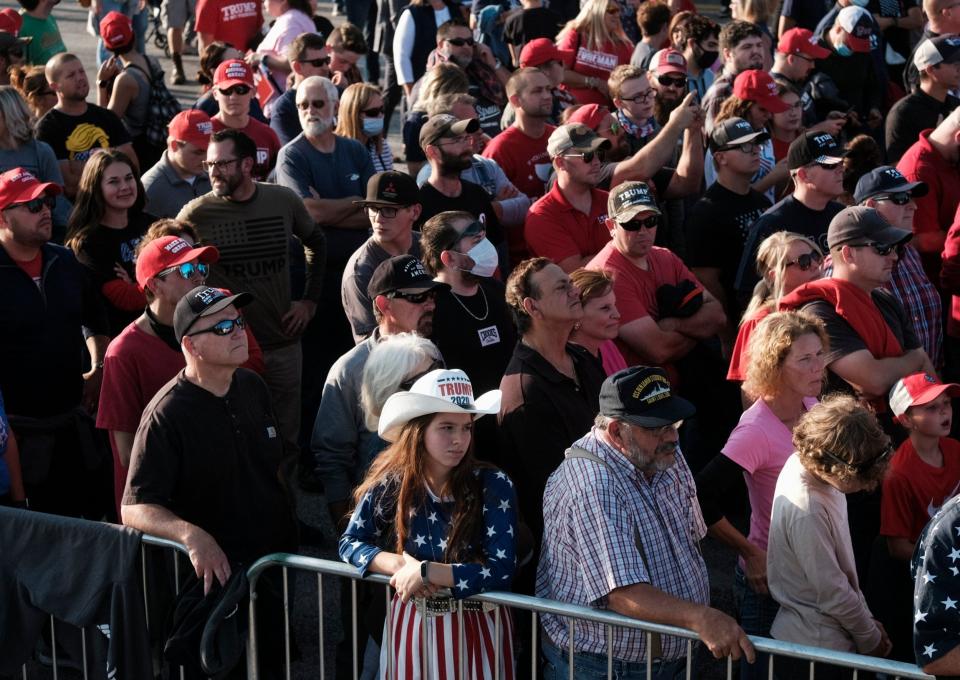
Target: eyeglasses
646	223
408	383
236	89
374	112
384	211
586	156
414	298
186	270
222	328
807	260
318	104
881	249
859	467
640	97
901	198
36	205
746	147
659	432
316	63
667	81
459	139
219	165
460	42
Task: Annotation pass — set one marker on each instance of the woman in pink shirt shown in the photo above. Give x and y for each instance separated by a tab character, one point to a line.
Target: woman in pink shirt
601	320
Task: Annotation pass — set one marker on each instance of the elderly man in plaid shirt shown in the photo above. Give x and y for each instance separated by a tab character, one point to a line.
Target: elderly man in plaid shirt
622	532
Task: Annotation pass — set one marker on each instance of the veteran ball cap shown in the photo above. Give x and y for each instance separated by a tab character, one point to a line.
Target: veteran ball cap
814	147
575	137
629	199
734	131
918	389
642	396
933	51
445	125
203	301
391	188
859	224
886	180
401	274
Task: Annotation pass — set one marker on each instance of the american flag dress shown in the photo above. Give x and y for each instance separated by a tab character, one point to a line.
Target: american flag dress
455	646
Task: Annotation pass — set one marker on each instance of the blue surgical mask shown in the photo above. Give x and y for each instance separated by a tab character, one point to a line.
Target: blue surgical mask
372	126
842	49
484	257
860	3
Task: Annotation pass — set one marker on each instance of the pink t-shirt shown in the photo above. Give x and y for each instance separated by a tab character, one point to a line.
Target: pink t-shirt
761	444
611	357
284	31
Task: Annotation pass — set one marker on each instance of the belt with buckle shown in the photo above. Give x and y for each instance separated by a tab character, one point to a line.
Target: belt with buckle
438	606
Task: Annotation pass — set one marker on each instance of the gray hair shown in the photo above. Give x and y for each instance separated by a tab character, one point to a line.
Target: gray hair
17	117
333	95
602	422
392	361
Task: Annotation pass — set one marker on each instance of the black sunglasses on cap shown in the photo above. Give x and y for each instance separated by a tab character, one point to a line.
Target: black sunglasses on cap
807	260
636	225
222	328
36	205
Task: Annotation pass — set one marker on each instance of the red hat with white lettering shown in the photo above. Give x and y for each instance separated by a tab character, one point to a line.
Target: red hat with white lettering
192	125
116	30
167	252
233	72
918	389
758	86
19	186
801	41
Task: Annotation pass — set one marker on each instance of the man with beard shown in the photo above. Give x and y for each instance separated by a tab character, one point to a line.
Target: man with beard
698	40
668	77
741	44
308	56
447	144
622	525
251	224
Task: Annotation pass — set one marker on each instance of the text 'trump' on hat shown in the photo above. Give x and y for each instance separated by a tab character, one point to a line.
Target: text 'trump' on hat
170	251
629	199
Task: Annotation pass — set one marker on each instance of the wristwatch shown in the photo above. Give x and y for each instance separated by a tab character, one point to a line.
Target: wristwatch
423	572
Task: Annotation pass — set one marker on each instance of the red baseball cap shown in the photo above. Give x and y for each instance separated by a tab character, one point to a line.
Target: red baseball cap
590	115
116	30
10	21
170	251
918	389
668	60
801	41
858	23
540	51
19	186
758	86
192	125
233	72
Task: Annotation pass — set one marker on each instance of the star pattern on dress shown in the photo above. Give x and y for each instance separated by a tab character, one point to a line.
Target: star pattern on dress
491	531
359	521
432	517
420	540
501	554
954	554
501	475
919	616
442	544
485	572
504	505
929	578
955	571
363	559
929	650
949	603
462	584
957	529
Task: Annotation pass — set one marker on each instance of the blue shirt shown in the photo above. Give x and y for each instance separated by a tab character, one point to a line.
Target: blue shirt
285	120
343	172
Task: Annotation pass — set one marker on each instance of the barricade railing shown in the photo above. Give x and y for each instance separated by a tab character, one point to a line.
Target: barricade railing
535	606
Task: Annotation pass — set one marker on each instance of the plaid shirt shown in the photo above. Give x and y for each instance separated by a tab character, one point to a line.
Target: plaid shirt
921	300
594	516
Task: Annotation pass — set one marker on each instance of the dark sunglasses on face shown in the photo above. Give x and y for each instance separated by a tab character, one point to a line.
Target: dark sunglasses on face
901	198
859	467
374	112
222	328
186	270
473	229
316	63
667	81
586	156
881	249
236	89
408	383
36	205
460	42
414	298
318	104
807	260
646	223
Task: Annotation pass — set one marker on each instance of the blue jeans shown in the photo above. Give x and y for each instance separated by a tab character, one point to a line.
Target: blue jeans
756	617
589	666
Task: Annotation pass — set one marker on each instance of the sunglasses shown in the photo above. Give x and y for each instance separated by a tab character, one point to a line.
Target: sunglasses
36	205
646	223
644	97
586	156
222	328
219	165
186	270
236	89
746	147
316	63
473	229
859	467
667	81
374	112
460	42
414	298
318	104
807	260
881	249
901	198
408	383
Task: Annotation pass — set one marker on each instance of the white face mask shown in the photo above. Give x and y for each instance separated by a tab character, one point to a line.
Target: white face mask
484	257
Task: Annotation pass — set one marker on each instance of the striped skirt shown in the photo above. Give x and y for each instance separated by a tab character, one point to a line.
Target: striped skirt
444	639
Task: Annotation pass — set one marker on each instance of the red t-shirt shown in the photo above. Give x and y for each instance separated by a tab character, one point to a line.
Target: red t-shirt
33	268
738	357
914	491
597	63
236	22
557	230
524	160
635	288
268	145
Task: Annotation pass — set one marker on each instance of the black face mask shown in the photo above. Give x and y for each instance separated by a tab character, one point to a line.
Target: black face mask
705	59
162	331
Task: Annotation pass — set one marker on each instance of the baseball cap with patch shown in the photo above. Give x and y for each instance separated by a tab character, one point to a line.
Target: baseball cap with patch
192	125
859	224
390	188
203	301
19	186
933	51
170	251
801	41
918	389
116	30
814	147
858	23
575	137
444	125
629	199
734	131
233	72
538	52
642	396
401	274
668	60
886	180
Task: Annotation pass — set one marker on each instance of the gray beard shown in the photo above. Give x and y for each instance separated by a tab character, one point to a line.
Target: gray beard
317	128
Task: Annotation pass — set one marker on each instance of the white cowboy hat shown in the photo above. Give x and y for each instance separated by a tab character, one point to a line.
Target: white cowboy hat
439	391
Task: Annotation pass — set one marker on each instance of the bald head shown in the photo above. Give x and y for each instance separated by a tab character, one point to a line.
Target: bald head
55	65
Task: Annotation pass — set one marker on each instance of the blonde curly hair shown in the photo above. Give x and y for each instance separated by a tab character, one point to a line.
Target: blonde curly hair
769	345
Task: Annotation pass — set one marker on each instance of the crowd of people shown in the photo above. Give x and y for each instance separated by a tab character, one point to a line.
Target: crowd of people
704	279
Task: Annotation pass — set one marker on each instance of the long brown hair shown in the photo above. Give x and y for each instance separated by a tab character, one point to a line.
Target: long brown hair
401	467
353	101
89	207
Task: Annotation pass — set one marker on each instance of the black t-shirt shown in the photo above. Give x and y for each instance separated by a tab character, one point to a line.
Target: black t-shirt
214	461
488	113
530	24
472	198
787	215
898	38
717	228
807	13
911	115
73	137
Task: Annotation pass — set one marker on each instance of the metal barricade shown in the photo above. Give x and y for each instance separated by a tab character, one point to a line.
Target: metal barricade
536	606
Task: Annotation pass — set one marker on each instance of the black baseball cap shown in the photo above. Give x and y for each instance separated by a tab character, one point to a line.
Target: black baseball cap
814	147
391	188
401	274
203	301
734	131
444	125
642	396
865	225
886	180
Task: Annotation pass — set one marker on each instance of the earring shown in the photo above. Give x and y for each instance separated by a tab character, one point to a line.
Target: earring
576	326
